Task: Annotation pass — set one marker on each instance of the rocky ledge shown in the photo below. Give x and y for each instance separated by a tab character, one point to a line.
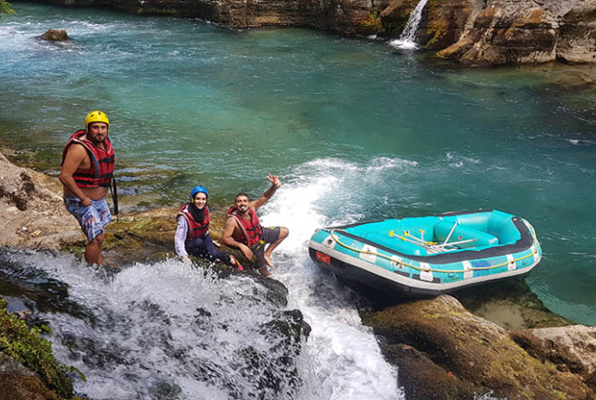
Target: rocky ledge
489	32
498	340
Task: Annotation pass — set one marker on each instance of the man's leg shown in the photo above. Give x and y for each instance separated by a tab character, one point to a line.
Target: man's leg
283	233
93	250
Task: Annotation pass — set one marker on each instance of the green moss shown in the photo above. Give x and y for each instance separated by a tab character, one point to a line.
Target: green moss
34	352
373	21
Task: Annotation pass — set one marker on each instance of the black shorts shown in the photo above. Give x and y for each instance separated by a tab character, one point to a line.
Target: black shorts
270	235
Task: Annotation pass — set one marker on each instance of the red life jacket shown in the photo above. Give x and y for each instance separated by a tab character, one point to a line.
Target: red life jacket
102	162
195	229
251	228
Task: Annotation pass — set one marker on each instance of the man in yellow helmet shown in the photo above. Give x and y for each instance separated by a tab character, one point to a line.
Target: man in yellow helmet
87	168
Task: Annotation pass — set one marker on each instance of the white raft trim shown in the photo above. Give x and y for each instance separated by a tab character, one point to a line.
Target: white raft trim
511	265
368	253
469	272
413	283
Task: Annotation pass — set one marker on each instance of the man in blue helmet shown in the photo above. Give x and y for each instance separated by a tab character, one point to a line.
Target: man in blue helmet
192	233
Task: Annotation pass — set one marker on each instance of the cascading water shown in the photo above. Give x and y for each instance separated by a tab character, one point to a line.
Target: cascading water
407	39
167	331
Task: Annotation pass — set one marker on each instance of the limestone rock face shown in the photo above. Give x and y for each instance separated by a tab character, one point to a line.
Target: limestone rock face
577	41
477	352
507	34
514	32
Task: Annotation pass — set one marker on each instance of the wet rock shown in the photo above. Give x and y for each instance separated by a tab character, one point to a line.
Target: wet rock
570	348
510	304
55	35
476	351
417	370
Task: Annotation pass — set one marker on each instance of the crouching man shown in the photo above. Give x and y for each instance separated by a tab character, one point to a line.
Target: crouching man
243	230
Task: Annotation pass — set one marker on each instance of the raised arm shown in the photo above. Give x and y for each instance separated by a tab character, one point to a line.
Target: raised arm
275	184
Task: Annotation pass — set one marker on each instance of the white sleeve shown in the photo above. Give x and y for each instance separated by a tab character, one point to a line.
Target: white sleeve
180	236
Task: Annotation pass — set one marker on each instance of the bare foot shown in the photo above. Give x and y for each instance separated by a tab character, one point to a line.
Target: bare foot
268	261
264	271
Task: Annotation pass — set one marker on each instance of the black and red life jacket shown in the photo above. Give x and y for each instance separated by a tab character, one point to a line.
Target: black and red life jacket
102	162
251	228
195	229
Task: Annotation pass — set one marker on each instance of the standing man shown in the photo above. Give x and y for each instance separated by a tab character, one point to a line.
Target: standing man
242	229
87	167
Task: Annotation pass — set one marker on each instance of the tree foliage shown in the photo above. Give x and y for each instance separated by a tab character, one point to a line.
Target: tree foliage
5	8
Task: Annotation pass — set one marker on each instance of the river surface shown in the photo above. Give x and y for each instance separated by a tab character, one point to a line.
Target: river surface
356	129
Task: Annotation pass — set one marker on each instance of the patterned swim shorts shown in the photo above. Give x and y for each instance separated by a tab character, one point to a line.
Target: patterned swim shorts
92	219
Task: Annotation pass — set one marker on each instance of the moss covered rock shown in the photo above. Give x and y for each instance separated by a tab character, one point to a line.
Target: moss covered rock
474	350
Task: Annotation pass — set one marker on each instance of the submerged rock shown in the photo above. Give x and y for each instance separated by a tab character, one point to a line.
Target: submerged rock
570	348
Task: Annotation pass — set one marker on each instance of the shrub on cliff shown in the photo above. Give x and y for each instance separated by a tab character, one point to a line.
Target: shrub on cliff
34	352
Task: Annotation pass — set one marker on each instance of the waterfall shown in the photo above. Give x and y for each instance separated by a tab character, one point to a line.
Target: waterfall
407	39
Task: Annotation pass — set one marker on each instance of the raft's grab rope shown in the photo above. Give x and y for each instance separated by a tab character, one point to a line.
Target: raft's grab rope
332	234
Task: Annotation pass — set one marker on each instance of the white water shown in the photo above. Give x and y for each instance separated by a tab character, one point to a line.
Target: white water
347	360
407	39
167	331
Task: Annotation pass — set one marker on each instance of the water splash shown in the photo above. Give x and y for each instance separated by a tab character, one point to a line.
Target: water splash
348	363
407	39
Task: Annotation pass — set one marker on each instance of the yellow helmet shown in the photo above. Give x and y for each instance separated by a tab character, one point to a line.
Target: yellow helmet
96	116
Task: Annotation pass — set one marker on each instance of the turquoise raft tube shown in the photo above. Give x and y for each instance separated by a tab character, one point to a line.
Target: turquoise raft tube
428	256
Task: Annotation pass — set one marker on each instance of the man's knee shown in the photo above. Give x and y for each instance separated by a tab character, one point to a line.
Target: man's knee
283	232
97	240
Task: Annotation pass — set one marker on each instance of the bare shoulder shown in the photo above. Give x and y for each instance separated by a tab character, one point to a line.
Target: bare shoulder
76	149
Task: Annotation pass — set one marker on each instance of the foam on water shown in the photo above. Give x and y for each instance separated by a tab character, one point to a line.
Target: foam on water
349	362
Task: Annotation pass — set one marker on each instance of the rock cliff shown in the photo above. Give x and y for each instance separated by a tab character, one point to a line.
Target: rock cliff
489	32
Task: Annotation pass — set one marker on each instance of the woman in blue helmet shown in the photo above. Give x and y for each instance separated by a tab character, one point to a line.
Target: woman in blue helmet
192	233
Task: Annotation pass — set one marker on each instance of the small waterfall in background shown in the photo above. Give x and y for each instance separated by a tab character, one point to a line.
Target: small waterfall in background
407	39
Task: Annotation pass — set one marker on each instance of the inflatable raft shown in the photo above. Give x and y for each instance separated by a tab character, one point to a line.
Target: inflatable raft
427	256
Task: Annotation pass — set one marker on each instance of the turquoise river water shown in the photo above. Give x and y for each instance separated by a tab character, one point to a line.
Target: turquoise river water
356	130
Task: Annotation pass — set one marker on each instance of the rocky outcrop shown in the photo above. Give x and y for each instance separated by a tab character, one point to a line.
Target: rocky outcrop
32	213
464	354
504	32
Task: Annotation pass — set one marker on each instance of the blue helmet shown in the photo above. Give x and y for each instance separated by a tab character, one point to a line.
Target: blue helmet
198	189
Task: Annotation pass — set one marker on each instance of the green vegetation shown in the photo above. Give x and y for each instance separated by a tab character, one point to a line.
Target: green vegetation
34	352
373	21
5	8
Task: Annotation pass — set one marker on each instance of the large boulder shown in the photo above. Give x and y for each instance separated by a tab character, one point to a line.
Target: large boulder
479	353
55	35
